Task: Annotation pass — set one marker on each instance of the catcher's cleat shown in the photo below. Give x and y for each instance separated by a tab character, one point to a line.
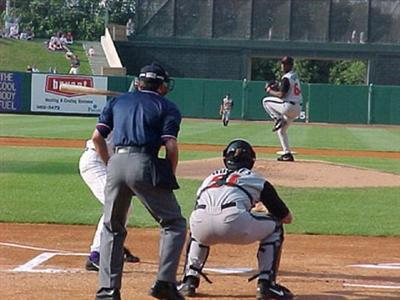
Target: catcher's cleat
92	261
267	290
188	286
165	290
129	257
286	157
278	124
108	294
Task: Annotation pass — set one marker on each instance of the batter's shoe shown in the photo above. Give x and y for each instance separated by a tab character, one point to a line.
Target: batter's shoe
267	290
108	294
129	257
166	291
93	261
278	124
286	157
189	285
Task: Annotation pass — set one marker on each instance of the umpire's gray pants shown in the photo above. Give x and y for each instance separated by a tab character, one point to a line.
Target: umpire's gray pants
127	175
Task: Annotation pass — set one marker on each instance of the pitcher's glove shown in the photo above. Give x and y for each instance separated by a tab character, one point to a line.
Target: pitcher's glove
271	85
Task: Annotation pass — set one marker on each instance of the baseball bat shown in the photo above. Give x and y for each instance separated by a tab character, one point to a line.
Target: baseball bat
77	89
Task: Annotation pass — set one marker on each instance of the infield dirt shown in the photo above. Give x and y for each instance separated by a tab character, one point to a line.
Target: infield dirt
313	267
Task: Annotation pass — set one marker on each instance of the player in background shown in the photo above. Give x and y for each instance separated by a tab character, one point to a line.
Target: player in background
284	105
223	215
94	173
225	109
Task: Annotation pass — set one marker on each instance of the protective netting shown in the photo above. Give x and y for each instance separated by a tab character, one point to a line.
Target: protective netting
343	21
193	18
349	21
271	19
385	21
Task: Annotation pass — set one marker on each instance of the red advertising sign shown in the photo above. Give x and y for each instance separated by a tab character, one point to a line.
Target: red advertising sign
53	83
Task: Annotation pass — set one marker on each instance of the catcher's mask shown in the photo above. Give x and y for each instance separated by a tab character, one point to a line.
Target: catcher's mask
239	154
156	73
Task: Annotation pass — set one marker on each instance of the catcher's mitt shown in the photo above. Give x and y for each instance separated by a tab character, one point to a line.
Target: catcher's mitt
273	85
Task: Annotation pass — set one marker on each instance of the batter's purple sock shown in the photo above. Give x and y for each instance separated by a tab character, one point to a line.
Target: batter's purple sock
94	257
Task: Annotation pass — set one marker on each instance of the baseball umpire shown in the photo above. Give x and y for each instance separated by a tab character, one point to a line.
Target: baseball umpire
222	216
284	104
142	122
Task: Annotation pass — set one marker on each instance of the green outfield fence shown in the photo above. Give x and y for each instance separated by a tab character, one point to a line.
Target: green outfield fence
200	98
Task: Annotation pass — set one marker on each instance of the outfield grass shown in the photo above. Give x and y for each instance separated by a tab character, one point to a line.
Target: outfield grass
15	55
42	185
212	132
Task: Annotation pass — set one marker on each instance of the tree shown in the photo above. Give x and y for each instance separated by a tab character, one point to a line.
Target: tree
84	18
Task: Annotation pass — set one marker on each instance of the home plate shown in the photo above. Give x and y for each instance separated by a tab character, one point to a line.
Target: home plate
229	270
283	152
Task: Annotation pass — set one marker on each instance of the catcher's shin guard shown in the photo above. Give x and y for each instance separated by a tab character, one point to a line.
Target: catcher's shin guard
196	257
269	256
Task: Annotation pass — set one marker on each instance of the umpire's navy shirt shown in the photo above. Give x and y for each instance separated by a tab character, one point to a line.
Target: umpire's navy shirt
140	118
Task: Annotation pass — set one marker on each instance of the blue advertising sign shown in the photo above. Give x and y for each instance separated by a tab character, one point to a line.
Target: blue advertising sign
10	92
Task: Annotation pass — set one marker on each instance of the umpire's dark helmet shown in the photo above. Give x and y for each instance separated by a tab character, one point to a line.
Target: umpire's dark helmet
239	154
157	74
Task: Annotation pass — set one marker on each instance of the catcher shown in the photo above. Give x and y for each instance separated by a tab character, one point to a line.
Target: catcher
222	215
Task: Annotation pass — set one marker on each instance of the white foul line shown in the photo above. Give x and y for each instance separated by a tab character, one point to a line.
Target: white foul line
35	262
372	286
385	266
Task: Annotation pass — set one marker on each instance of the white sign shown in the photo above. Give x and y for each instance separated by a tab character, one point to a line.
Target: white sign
46	96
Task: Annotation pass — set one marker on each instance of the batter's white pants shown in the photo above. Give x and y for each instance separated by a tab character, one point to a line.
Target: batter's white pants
94	172
276	108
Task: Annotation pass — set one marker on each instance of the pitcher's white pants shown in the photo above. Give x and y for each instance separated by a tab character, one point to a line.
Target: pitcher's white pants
279	109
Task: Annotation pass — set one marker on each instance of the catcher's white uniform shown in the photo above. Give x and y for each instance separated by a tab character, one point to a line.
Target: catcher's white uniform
94	172
222	216
287	108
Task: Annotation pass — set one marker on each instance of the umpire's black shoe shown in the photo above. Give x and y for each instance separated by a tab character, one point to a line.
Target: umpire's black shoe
267	290
189	285
129	257
286	157
165	290
108	294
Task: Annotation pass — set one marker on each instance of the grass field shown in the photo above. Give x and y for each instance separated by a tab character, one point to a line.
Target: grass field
15	55
42	185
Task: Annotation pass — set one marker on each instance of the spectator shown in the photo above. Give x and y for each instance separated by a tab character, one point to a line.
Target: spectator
130	28
35	69
27	34
91	51
74	64
63	39
14	31
69	38
29	68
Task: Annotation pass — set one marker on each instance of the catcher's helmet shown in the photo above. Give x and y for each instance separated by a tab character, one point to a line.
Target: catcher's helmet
239	154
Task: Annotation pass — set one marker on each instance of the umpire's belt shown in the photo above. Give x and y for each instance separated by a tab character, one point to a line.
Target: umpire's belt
223	206
134	149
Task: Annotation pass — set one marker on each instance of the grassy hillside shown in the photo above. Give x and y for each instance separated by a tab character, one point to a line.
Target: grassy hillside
15	55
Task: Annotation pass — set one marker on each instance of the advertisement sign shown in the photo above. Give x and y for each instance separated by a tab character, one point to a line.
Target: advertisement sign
47	97
10	92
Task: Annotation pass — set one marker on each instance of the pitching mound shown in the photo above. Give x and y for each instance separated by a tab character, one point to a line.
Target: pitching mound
299	173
